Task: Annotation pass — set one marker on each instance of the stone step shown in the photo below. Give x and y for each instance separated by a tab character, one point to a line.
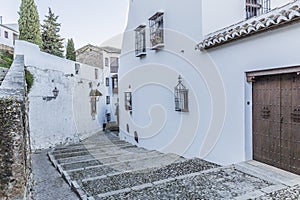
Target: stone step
137	164
218	183
105	159
91	151
91	148
130	179
101	155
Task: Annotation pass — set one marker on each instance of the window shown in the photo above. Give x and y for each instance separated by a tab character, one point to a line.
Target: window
107	99
128	101
257	7
106	62
140	41
115	84
156	24
107	82
114	64
6	34
77	68
93	107
96	73
181	97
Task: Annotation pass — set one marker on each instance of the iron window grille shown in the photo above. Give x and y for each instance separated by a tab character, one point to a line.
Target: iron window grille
140	41
114	64
77	68
96	73
6	34
257	7
107	82
181	97
156	24
115	84
106	62
128	101
107	99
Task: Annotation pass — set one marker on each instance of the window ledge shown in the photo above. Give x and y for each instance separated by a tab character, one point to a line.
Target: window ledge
142	54
158	46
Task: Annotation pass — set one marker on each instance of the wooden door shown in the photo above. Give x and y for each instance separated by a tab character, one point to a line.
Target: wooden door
276	121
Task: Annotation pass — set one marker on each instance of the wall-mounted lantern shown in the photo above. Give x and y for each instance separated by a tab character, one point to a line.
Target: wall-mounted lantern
55	92
181	97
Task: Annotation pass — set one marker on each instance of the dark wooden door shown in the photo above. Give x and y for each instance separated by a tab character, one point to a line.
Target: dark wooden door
276	121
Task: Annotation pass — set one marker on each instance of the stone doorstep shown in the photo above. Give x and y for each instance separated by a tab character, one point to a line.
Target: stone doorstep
269	173
118	163
155	183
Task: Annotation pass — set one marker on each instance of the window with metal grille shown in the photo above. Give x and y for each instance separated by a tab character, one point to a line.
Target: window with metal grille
96	73
77	68
107	82
115	84
140	41
181	97
107	99
93	106
257	7
114	64
6	34
156	24
106	62
128	101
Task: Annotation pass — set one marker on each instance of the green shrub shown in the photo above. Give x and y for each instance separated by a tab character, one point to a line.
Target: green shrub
29	80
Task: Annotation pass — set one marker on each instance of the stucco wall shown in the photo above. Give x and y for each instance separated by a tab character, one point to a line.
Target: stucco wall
218	124
15	161
7	41
66	119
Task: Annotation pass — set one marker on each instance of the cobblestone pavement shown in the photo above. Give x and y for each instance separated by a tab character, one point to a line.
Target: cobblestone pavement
103	167
48	184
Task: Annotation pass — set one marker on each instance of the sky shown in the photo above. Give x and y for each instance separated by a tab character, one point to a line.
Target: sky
86	21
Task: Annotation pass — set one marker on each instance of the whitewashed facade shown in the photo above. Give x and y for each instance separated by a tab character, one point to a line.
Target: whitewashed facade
8	33
74	114
213	47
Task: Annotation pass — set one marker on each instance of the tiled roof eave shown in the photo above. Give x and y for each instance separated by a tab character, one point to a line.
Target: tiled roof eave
288	14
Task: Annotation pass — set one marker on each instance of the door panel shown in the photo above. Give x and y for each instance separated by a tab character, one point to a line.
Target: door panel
276	121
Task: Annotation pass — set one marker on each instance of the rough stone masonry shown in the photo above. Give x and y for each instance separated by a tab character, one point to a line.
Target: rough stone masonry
15	162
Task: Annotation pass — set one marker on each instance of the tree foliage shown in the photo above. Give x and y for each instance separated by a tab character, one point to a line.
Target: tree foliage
71	53
29	23
51	40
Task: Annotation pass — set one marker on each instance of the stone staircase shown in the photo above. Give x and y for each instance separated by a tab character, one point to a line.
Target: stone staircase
103	167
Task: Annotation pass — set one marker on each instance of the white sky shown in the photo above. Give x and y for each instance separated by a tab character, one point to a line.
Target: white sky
86	21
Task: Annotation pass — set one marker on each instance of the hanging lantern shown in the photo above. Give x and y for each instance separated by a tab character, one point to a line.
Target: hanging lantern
181	97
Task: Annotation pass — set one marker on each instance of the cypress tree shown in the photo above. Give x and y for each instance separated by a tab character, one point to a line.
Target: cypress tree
51	40
71	54
29	23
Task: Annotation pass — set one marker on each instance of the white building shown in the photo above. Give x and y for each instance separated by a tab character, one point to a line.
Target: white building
107	59
239	62
8	33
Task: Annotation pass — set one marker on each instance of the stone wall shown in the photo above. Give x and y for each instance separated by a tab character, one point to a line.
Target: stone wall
15	161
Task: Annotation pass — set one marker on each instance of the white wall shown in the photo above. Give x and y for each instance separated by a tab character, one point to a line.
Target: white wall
218	14
218	124
7	41
67	118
